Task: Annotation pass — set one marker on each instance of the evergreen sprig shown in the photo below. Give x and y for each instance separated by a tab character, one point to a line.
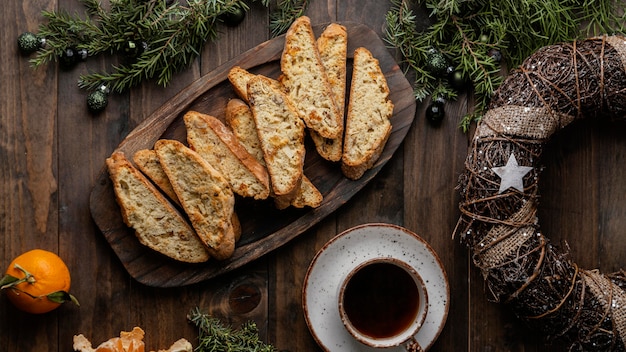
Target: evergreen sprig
213	335
287	11
470	35
174	31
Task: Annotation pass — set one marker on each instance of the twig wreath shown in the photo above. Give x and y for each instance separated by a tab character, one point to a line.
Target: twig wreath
499	193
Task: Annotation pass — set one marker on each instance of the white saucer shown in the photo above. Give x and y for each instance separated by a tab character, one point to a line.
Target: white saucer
353	247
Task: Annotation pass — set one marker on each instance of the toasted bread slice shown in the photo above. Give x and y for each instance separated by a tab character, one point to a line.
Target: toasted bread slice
239	78
241	121
239	118
308	195
157	223
306	83
204	194
148	163
281	134
369	110
220	147
333	46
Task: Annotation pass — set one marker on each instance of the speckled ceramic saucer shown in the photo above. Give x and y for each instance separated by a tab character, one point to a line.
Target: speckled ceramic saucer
353	247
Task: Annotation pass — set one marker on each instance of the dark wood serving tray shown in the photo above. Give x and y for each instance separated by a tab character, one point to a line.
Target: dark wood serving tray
264	228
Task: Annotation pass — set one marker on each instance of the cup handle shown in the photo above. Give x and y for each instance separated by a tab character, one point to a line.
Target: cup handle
413	346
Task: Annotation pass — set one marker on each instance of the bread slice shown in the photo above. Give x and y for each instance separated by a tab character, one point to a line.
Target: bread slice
333	46
308	195
369	110
239	78
239	118
305	81
220	147
241	121
281	134
148	163
204	194
157	223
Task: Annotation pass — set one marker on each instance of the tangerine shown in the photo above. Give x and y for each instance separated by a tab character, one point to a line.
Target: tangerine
37	281
129	341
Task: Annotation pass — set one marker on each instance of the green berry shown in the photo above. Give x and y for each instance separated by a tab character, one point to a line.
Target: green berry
97	101
457	79
28	43
436	63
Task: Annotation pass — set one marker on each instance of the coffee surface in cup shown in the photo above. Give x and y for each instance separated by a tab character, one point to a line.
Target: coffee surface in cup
381	300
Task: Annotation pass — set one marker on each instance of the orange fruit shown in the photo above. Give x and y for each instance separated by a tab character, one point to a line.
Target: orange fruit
37	281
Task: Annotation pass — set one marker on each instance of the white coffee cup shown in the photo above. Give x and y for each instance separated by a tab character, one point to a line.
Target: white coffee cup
383	303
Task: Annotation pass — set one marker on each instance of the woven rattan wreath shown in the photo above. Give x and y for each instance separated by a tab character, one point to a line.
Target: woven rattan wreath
499	193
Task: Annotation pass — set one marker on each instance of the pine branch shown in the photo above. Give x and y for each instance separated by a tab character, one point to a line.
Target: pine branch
174	35
214	336
288	11
472	34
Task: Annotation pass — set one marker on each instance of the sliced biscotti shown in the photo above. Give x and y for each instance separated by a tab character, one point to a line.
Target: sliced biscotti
240	119
204	194
148	163
308	195
220	147
367	123
305	81
157	223
239	78
333	46
281	134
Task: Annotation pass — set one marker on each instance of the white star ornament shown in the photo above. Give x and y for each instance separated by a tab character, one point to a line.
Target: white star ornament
511	175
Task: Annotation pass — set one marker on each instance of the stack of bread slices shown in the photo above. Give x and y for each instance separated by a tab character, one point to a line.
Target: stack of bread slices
179	197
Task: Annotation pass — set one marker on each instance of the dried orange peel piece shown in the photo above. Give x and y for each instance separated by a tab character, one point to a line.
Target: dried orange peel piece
129	341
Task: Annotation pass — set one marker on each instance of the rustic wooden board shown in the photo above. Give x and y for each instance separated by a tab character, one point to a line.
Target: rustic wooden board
264	228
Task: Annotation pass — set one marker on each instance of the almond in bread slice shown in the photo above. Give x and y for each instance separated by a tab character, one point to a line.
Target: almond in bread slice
148	163
204	194
333	46
369	110
220	147
240	119
157	223
281	134
239	78
305	81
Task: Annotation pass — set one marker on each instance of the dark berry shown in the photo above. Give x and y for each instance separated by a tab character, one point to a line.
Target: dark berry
131	48
435	112
68	59
495	54
82	54
233	17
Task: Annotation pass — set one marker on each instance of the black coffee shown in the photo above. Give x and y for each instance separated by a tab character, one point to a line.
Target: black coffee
381	300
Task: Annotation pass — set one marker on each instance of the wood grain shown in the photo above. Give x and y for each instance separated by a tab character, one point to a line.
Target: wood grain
264	228
46	128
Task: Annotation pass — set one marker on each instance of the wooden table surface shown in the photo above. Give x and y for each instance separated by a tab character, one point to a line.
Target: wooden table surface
52	150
